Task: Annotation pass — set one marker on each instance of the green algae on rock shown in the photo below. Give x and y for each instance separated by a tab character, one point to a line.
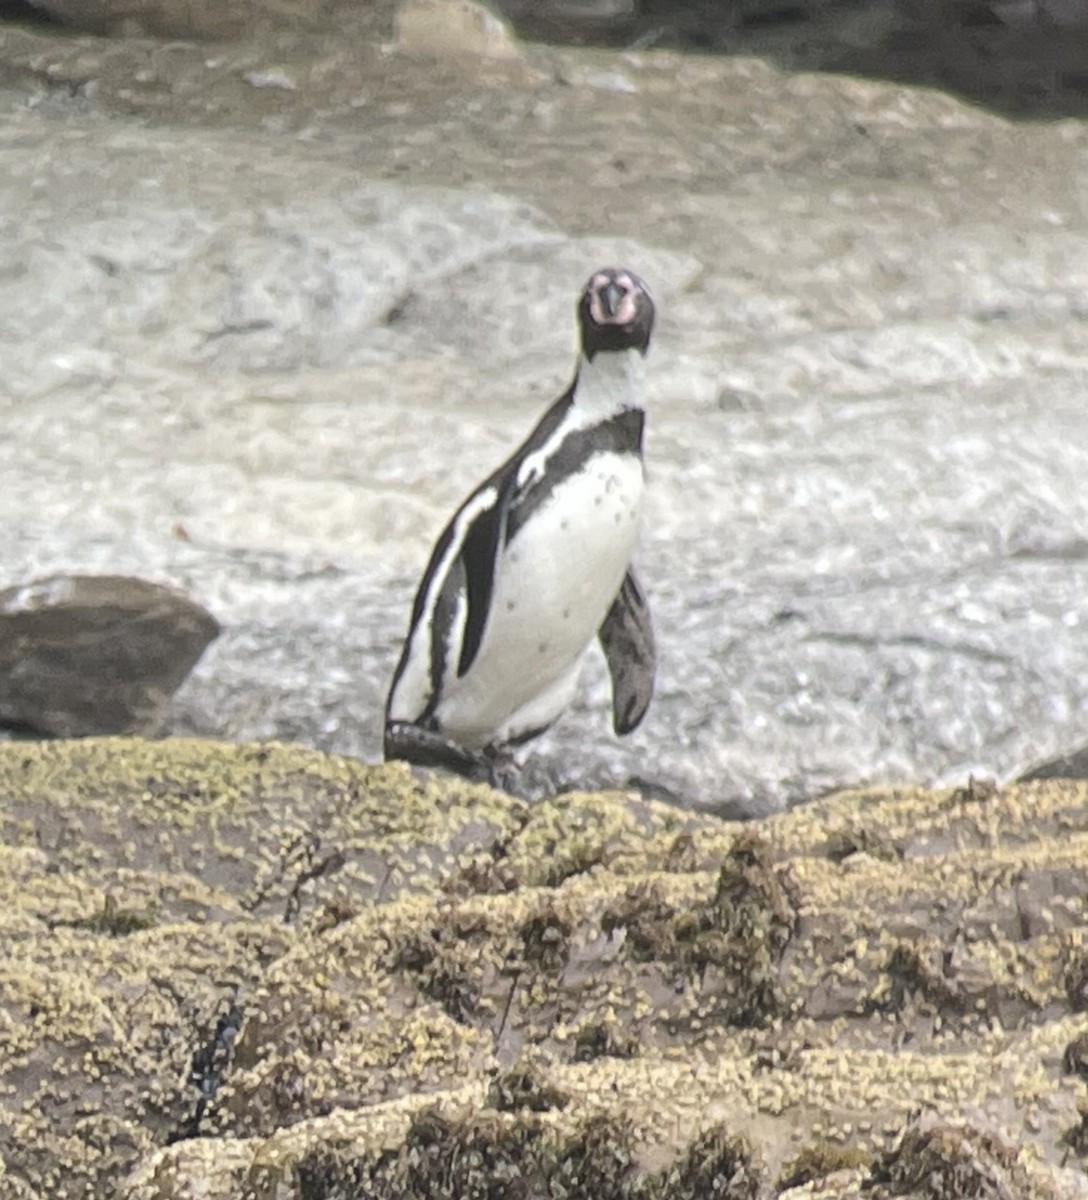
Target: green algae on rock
436	986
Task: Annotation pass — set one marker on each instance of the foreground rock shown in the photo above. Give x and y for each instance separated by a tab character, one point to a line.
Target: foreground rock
86	654
349	980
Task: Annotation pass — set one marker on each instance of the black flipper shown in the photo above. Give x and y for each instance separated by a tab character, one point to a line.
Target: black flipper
627	639
478	557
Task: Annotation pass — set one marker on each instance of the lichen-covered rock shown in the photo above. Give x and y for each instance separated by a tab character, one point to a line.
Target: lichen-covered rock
93	654
260	971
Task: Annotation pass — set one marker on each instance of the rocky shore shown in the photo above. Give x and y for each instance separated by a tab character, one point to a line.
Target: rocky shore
258	971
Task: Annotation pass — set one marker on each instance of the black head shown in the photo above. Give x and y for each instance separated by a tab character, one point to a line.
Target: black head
615	312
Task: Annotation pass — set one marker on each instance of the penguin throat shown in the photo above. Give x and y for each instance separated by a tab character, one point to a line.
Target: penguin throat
610	382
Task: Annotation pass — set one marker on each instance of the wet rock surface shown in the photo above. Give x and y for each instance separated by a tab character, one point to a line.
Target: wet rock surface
269	310
95	654
260	971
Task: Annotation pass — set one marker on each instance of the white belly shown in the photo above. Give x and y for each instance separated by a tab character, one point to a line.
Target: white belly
554	584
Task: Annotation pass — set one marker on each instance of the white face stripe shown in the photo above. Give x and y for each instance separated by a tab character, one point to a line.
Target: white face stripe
413	689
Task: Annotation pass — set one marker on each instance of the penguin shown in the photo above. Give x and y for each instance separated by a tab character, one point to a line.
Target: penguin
535	564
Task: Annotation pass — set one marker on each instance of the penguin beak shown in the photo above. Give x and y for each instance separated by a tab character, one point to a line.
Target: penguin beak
611	298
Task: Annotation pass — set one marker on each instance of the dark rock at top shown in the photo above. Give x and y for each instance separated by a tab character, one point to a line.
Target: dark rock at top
95	654
1017	56
1071	765
194	18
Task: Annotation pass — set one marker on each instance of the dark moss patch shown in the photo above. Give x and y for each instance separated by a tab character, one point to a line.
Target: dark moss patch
517	1091
446	969
441	1159
1075	978
976	791
545	942
208	1067
597	1162
450	1160
112	920
646	920
604	1039
843	844
1075	1057
742	933
718	1165
480	1158
574	858
682	854
333	913
1076	1136
482	875
733	943
818	1159
938	1161
912	974
750	906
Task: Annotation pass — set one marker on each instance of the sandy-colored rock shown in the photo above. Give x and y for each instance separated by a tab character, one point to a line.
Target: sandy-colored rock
359	980
452	28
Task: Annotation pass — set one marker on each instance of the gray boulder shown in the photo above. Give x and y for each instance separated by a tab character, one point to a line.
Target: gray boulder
95	654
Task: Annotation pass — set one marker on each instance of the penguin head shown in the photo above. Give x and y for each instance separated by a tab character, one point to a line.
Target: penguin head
615	312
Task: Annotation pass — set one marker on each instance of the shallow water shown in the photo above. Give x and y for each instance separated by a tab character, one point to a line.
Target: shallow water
261	349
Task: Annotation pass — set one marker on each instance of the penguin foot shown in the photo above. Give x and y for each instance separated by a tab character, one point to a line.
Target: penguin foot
503	770
426	748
